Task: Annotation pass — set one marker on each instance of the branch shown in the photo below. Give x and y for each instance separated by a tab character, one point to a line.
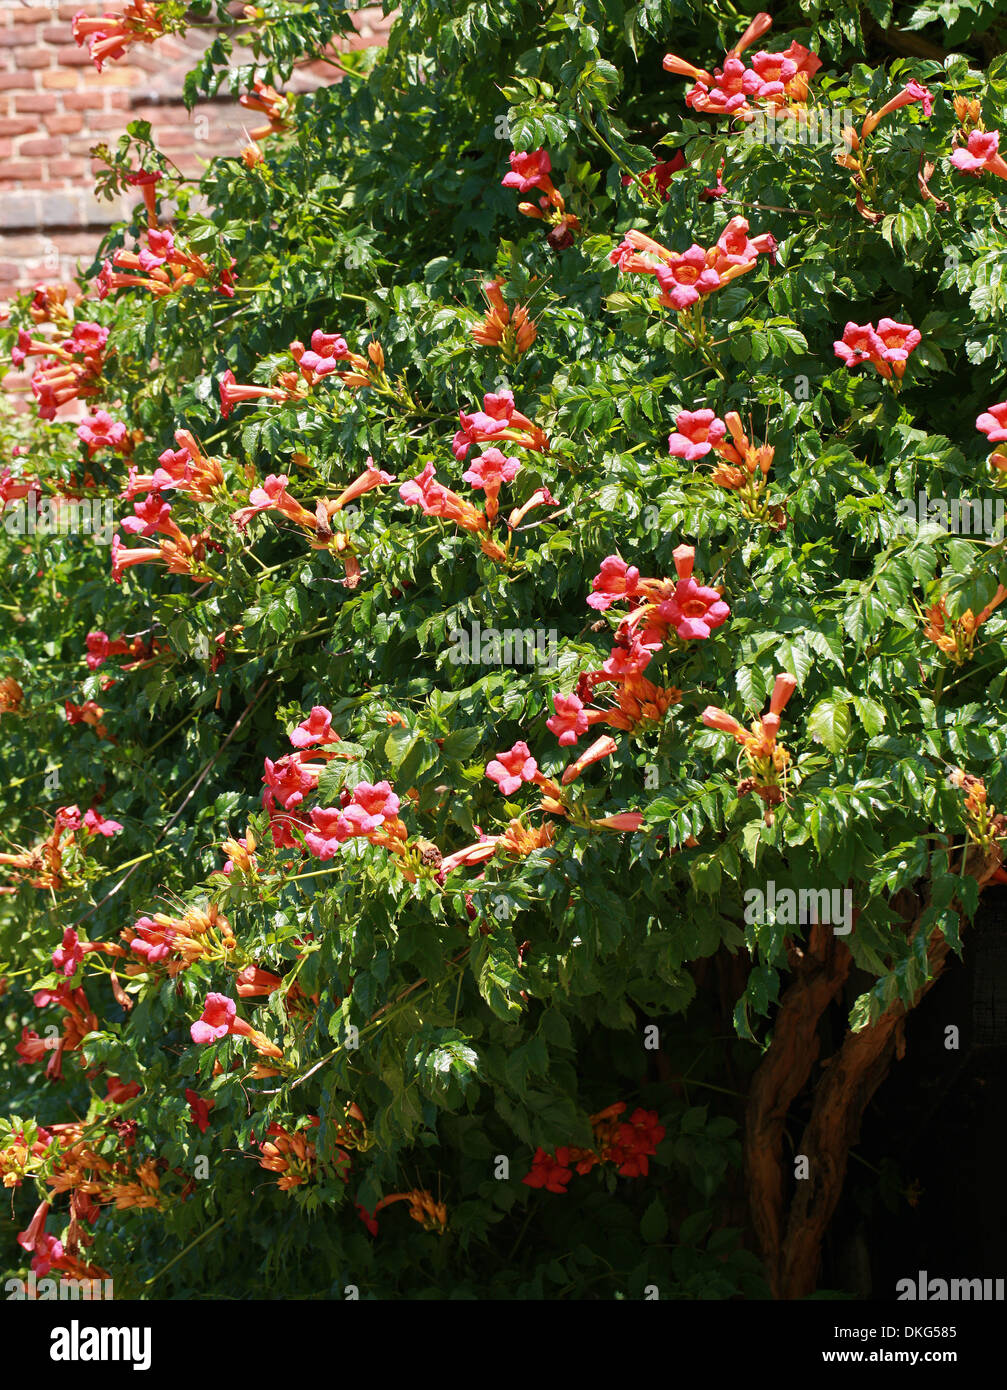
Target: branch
821	972
841	1097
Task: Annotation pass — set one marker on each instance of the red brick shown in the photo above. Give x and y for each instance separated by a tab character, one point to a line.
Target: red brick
16	38
161	114
86	101
40	145
178	140
68	168
73	57
58	34
22	169
11	81
58	78
67	124
35	101
116	75
35	58
22	246
32	14
16	127
103	121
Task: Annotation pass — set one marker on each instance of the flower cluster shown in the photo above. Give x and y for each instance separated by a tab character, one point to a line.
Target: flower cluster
365	812
743	466
423	1208
512	330
912	94
292	1155
776	80
767	760
276	106
684	277
956	637
886	347
88	1161
179	553
189	472
80	1019
175	943
856	157
69	370
628	1144
11	696
43	866
657	179
76	1160
329	350
981	155
89	713
531	170
142	651
986	824
993	424
162	267
663	610
185	470
273	496
219	1019
109	36
498	422
327	356
425	492
369	812
100	647
692	610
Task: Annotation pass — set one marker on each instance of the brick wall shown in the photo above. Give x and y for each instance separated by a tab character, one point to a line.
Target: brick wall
54	106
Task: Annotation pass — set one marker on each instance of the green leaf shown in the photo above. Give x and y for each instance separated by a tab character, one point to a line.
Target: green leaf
654	1222
829	723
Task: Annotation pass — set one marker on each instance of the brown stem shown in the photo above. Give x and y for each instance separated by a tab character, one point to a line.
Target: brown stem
911	45
843	1091
784	1070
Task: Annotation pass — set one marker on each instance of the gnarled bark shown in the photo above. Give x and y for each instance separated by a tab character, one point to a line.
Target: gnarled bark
791	1237
820	973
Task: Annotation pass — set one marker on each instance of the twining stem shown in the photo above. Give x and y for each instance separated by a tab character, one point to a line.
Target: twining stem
192	1244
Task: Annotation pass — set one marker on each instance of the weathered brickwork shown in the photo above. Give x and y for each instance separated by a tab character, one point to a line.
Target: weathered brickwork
54	107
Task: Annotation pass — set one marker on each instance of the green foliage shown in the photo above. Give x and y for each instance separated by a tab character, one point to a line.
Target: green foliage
493	1013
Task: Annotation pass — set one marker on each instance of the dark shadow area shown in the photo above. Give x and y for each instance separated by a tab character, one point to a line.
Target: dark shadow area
933	1196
